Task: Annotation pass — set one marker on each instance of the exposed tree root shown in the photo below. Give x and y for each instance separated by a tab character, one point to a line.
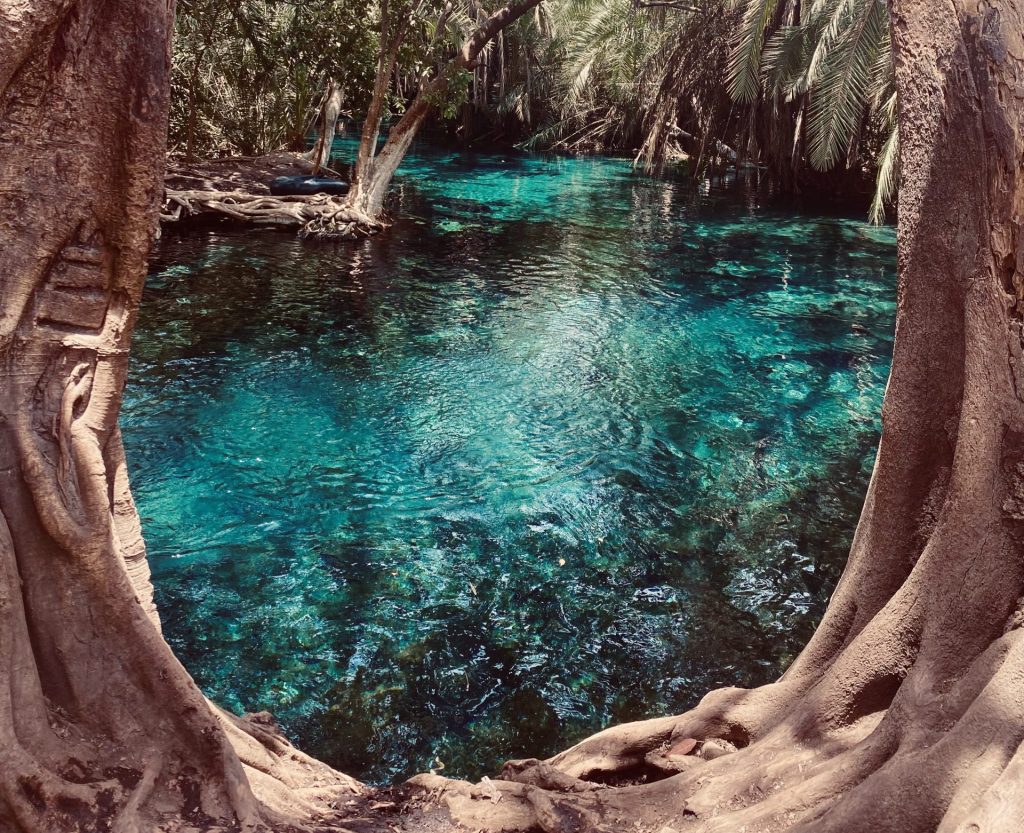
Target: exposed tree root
237	190
317	216
951	765
250	174
282	776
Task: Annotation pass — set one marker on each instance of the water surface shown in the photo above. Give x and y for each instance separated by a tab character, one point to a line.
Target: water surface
567	446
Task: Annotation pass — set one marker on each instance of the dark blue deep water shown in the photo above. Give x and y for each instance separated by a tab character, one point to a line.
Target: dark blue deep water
567	446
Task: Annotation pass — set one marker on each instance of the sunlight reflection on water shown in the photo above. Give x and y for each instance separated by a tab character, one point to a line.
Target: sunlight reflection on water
567	446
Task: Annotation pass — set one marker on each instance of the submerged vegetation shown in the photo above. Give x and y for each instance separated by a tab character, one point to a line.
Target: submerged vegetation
804	91
465	491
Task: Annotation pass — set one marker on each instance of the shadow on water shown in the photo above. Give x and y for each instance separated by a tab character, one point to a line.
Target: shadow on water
566	447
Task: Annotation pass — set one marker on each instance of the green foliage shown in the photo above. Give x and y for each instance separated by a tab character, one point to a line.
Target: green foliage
833	67
596	53
448	102
793	86
839	60
887	178
248	76
784	84
745	61
688	108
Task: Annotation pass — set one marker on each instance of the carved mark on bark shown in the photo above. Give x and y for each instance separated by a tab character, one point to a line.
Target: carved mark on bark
70	335
74	297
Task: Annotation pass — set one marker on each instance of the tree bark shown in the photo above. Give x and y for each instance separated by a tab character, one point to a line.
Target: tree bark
391	37
100	726
373	174
328	123
368	190
905	712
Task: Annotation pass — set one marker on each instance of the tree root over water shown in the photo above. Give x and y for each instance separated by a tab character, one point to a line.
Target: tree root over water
317	216
237	190
920	742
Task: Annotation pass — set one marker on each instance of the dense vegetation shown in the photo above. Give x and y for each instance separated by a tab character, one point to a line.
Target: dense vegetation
802	89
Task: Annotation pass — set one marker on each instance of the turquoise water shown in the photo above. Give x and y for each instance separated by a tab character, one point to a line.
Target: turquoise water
567	446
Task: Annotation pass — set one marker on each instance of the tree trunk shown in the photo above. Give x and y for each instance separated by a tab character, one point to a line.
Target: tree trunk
328	124
501	68
366	193
392	33
373	174
100	726
905	712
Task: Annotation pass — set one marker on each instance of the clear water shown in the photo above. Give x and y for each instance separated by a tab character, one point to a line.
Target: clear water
567	446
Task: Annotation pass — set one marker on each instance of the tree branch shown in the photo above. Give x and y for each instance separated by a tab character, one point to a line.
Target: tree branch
489	28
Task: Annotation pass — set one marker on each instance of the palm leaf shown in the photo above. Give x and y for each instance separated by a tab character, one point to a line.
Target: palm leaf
784	60
745	60
888	177
840	95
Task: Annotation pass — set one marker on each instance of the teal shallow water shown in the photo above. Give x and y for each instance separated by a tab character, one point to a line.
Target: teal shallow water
567	446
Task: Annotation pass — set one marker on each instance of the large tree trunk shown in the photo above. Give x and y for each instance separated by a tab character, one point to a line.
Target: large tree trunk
392	32
100	726
905	713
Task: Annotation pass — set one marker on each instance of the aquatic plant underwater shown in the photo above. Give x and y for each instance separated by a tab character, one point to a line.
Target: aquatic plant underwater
464	491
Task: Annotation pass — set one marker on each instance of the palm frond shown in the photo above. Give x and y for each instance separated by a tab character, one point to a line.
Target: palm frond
785	57
887	179
827	23
745	60
840	95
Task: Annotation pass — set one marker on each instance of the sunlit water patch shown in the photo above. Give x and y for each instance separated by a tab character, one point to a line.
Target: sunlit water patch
567	446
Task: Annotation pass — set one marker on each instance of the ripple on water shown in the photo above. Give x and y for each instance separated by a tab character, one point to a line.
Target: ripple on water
567	446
